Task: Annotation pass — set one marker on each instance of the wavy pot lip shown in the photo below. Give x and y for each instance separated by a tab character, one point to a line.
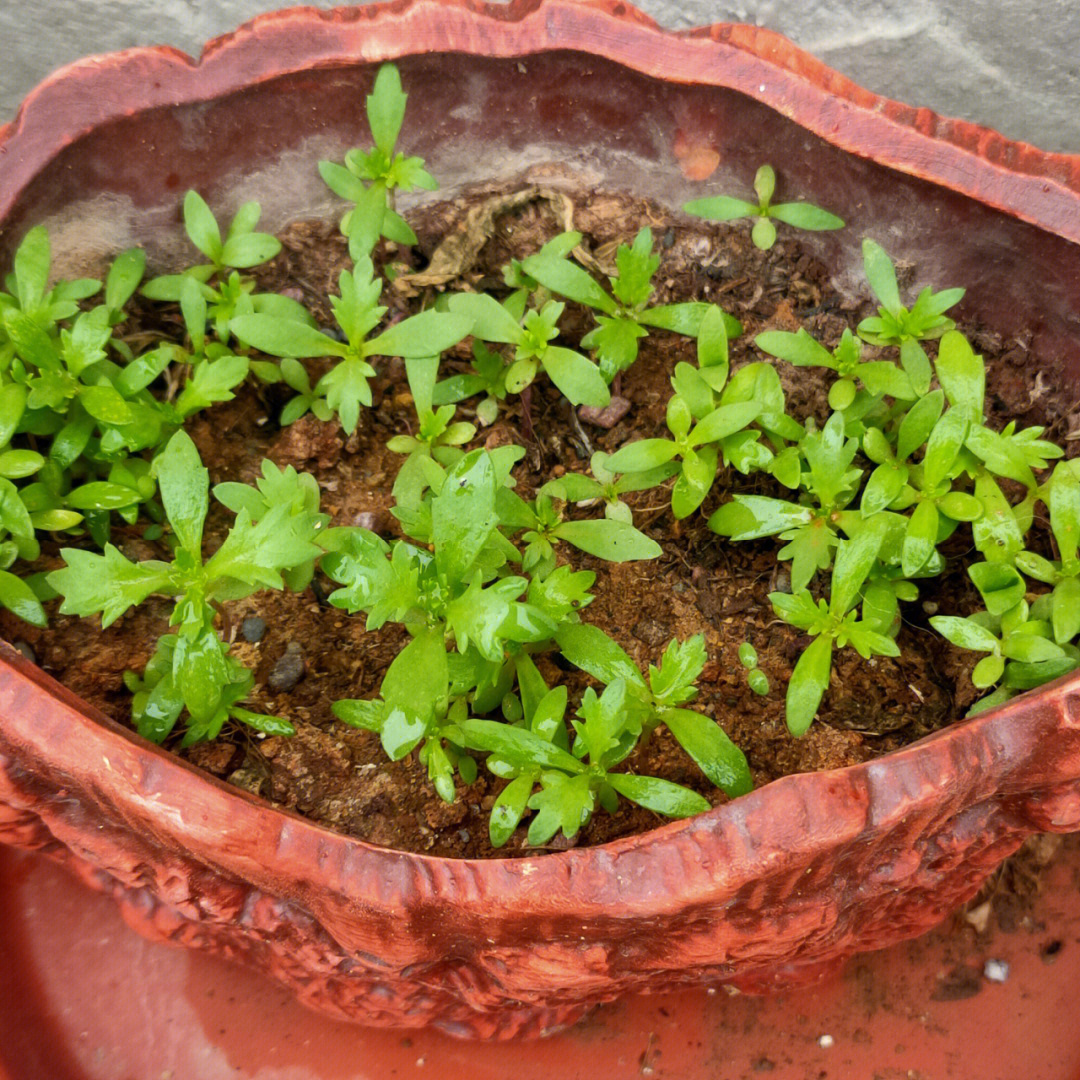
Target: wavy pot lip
1020	751
1030	184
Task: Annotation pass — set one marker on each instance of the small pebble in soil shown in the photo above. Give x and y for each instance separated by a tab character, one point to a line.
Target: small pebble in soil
292	292
372	520
608	416
253	629
288	670
930	607
996	971
24	648
825	1041
652	632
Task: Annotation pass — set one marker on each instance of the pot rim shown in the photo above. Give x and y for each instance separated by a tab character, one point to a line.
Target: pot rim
1033	185
718	852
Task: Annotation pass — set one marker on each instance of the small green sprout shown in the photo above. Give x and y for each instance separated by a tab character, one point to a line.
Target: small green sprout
610	538
577	378
831	624
757	680
192	668
894	324
879	377
488	378
607	485
1018	638
801	215
369	179
573	782
624	315
660	698
700	425
227	293
811	525
28	293
1062	496
357	312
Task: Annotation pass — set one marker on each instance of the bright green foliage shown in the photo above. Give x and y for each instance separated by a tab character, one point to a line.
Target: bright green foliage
1061	493
607	485
659	699
705	419
810	526
611	538
437	436
192	668
831	624
755	677
488	378
225	293
1017	637
624	314
894	324
459	588
577	378
878	377
29	295
357	312
801	215
369	179
573	782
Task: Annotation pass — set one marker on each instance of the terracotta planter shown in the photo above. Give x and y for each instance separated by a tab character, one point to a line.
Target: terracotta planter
770	890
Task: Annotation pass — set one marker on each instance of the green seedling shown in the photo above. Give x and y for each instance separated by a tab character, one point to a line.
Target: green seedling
17	537
660	698
1018	638
437	435
192	668
457	589
415	709
624	316
573	783
578	379
613	539
1061	494
879	377
699	425
810	526
607	486
369	179
894	324
832	624
227	293
488	378
757	680
28	298
801	215
357	311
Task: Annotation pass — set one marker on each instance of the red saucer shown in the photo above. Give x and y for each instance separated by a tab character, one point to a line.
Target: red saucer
82	997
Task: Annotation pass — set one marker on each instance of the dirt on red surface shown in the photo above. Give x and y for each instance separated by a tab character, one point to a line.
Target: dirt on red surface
702	584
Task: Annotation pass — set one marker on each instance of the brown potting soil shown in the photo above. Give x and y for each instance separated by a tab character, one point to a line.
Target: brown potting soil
703	584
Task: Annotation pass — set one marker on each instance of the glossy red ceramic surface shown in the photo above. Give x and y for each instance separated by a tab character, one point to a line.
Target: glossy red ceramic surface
70	1009
773	890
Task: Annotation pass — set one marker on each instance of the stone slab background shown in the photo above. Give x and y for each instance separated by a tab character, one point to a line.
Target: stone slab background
1013	65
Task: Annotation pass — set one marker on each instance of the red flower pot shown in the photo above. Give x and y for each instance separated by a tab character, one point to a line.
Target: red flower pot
769	890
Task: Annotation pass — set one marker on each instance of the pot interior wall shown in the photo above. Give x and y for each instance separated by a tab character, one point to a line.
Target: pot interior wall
553	115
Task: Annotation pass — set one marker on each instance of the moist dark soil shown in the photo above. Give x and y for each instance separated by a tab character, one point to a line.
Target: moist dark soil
311	654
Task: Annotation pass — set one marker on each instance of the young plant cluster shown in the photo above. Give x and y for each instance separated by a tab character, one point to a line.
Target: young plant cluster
91	425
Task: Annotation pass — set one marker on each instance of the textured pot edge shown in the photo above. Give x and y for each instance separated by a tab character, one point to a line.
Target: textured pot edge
781	826
1033	185
693	844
